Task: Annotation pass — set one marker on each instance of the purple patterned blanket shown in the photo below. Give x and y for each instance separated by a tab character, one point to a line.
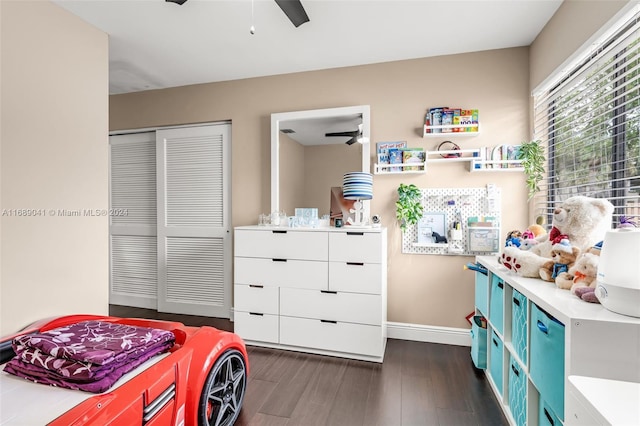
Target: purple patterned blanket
90	355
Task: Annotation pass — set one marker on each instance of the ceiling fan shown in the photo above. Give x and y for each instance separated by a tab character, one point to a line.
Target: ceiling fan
292	8
355	135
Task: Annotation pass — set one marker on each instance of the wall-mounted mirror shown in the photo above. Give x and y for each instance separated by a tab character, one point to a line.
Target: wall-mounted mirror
312	150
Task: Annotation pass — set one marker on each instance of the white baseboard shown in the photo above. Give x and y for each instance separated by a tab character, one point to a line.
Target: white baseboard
429	333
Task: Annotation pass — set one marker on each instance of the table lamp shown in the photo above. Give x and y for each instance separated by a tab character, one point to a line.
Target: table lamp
357	186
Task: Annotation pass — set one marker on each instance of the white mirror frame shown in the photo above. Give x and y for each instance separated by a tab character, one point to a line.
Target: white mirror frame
277	118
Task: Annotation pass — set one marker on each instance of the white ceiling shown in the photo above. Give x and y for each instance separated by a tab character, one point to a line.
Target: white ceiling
154	44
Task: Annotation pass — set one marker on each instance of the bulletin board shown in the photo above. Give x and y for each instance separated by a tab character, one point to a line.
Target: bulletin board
457	206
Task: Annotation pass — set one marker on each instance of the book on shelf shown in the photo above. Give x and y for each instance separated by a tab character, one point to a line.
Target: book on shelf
395	157
415	156
435	117
468	120
384	147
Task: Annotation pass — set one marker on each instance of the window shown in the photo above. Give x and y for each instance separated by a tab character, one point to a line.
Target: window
589	122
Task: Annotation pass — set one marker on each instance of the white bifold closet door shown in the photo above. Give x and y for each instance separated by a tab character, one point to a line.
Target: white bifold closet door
132	225
171	252
194	243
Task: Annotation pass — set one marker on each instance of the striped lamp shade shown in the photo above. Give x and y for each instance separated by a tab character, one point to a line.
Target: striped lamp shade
357	186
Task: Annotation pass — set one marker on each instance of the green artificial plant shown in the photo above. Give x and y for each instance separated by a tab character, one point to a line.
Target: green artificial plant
532	156
409	205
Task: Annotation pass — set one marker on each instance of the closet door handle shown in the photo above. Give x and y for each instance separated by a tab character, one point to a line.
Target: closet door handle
543	327
329	321
256	286
279	260
355	233
256	314
516	301
278	231
328	292
355	263
515	370
548	416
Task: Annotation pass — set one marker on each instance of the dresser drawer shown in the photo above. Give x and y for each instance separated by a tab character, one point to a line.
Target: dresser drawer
339	337
281	272
282	244
355	277
261	328
253	298
335	306
355	246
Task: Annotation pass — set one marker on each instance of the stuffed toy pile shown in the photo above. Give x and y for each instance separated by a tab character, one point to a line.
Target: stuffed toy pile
583	221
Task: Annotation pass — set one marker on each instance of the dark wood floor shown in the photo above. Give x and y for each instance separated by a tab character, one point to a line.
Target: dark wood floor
418	384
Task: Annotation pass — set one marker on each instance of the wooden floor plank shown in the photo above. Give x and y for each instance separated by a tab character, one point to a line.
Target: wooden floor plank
349	406
285	396
258	391
314	405
384	402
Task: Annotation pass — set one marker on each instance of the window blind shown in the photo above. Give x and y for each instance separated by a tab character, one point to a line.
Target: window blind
589	124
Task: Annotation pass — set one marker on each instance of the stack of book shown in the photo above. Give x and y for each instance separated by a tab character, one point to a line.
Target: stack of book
398	153
451	120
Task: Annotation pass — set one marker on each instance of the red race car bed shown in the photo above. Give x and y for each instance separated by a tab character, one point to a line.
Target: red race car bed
98	370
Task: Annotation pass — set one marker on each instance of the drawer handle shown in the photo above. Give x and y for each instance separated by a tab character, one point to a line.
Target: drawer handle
256	313
515	370
548	416
355	233
543	327
355	263
279	260
279	231
256	286
500	285
329	321
495	342
328	292
516	301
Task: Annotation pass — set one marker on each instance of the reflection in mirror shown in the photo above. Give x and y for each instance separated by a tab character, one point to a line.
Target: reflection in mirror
310	153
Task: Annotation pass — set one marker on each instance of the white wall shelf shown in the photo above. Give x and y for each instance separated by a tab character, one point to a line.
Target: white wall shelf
447	130
478	165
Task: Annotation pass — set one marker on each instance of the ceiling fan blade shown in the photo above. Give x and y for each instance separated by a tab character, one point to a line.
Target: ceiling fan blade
294	11
179	2
352	134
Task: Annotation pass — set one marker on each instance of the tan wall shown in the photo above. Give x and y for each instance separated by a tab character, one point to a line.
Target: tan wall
291	176
571	26
423	289
54	156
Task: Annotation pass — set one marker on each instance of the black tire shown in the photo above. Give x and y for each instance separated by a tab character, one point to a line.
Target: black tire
223	391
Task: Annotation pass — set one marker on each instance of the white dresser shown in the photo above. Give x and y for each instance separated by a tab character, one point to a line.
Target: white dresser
312	290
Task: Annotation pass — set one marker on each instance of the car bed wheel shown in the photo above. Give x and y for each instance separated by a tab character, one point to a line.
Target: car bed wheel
223	391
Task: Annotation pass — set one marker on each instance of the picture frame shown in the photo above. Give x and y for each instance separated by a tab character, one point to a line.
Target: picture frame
435	221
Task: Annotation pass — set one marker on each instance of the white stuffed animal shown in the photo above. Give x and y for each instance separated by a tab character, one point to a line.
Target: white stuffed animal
581	220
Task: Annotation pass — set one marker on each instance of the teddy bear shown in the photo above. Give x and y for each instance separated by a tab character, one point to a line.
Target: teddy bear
563	257
583	273
582	220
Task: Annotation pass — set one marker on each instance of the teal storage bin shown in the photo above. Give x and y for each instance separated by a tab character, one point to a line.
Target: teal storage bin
479	342
517	393
519	325
495	360
496	303
547	358
546	416
482	292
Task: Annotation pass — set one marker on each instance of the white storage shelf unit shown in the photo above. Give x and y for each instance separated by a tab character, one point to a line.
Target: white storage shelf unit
529	376
318	290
